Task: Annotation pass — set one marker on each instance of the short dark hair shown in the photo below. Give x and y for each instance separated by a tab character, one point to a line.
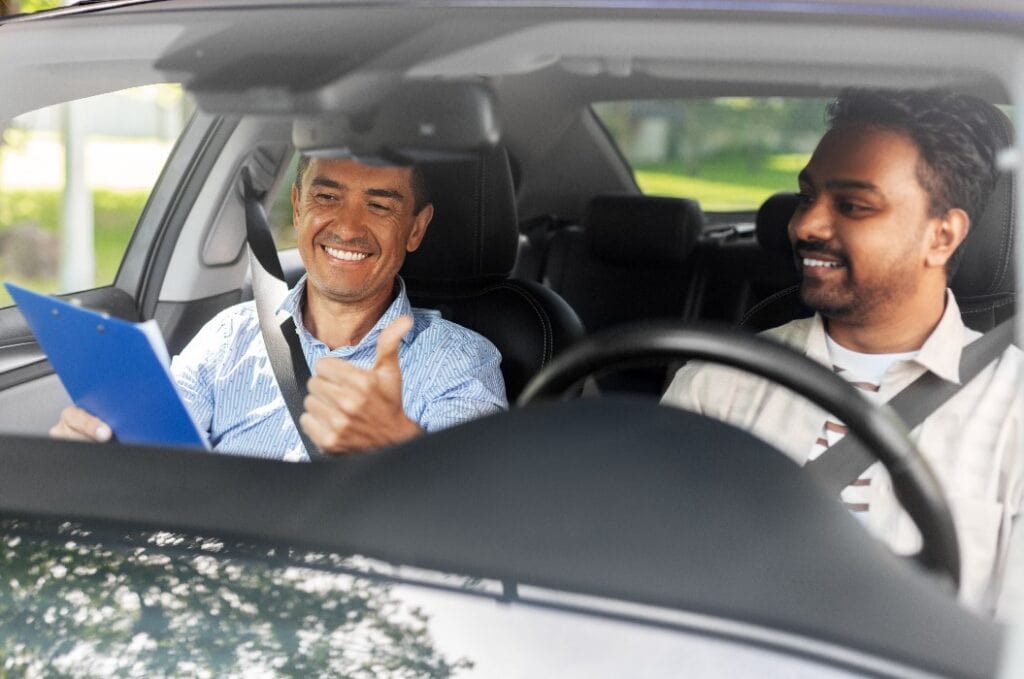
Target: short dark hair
420	194
956	135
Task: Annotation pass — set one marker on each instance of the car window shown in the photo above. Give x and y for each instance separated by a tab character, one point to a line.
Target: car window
280	213
74	179
729	154
8	7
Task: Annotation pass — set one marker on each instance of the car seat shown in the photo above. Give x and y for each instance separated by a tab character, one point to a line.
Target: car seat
630	260
463	268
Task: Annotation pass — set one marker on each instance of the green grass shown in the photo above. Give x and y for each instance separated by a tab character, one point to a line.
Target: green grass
115	214
723	183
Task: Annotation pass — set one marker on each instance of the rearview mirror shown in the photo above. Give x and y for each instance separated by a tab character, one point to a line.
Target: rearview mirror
418	122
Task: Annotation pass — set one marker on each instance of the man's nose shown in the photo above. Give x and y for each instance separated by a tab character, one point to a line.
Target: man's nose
811	221
348	216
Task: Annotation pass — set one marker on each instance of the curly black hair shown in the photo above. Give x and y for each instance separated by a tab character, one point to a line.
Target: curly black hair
956	135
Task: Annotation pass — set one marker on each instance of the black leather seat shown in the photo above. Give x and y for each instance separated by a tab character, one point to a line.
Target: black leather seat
984	283
782	305
463	268
630	260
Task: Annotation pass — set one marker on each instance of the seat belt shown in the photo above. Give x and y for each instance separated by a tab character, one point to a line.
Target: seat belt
268	290
842	464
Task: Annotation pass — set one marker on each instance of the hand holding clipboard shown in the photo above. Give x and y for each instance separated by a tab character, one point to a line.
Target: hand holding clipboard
116	370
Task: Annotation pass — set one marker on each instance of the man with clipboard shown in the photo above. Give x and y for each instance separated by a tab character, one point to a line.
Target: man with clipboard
383	372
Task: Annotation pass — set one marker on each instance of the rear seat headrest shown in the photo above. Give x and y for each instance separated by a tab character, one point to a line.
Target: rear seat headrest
474	233
647	230
772	222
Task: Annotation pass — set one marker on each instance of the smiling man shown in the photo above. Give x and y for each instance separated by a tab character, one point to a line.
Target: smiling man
885	203
383	372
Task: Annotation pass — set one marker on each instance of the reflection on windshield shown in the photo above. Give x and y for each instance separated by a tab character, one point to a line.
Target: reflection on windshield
161	604
82	602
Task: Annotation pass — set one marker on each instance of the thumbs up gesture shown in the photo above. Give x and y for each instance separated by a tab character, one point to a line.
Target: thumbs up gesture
351	409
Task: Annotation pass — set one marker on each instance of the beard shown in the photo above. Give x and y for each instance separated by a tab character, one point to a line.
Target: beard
844	295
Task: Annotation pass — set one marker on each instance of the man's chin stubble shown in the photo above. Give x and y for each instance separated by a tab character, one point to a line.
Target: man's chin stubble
829	308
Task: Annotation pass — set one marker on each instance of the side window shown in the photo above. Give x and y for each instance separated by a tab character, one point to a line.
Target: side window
74	179
280	213
727	153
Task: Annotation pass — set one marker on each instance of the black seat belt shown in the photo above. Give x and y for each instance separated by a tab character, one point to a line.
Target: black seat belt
268	290
841	464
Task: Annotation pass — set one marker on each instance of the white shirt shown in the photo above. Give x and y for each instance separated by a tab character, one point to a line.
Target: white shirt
971	442
865	372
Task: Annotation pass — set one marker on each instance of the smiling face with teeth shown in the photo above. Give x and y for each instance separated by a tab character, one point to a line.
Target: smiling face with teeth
355	223
864	241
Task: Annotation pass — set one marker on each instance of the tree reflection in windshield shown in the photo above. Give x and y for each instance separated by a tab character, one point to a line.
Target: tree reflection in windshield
163	604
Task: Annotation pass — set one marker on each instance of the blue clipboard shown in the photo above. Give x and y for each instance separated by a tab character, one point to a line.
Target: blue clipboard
114	369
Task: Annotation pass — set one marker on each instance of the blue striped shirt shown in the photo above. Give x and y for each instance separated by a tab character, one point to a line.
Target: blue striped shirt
449	375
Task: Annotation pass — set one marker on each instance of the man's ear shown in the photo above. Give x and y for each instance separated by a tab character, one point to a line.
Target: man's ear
947	233
295	206
420	221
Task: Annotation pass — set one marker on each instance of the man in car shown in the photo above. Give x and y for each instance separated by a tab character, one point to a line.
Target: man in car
383	372
885	202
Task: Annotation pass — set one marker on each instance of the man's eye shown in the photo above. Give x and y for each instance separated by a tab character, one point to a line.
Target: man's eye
380	207
804	198
847	208
324	196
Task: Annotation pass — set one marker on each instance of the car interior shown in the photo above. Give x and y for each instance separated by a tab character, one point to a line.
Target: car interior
564	186
541	239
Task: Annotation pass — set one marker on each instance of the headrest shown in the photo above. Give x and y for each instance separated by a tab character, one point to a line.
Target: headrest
772	222
987	265
473	236
642	230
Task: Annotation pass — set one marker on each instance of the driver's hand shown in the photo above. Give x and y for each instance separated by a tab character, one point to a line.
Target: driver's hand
351	409
76	423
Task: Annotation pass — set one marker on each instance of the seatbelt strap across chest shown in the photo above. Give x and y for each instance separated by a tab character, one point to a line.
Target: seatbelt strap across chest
841	464
279	334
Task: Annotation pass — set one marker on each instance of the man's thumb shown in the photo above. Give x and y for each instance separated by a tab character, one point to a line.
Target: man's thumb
389	340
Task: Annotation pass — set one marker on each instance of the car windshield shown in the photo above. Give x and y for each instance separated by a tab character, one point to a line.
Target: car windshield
555	193
87	602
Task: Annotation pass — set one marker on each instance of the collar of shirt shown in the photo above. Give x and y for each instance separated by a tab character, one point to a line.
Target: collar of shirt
400	306
939	354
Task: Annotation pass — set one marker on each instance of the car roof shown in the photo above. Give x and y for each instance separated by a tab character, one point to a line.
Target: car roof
569	54
716	46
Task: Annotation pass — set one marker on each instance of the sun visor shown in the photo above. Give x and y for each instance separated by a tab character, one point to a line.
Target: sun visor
418	122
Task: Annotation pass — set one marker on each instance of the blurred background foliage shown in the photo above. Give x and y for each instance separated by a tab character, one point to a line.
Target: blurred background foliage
124	138
729	153
8	7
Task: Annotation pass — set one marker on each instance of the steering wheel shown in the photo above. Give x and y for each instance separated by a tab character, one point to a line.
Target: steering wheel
878	428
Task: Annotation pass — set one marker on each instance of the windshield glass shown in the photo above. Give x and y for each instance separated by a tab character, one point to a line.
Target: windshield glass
87	603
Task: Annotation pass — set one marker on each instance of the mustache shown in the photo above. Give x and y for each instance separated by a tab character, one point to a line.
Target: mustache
359	244
802	248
